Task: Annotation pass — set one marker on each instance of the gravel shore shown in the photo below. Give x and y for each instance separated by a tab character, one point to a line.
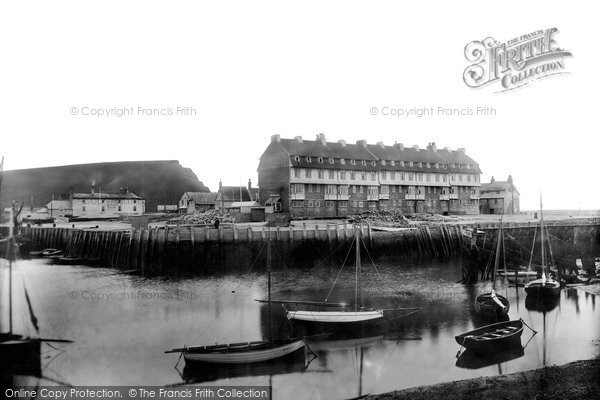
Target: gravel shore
578	380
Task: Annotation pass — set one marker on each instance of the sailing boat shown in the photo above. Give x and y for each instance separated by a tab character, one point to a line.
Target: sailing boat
245	352
360	314
546	286
493	305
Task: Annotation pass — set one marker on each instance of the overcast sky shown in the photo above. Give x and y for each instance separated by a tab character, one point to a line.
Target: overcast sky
252	69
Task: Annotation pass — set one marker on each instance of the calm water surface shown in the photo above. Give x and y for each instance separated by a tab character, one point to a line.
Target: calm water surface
122	323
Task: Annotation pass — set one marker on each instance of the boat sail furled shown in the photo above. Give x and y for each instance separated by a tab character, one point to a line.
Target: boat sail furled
492	304
546	286
359	314
245	352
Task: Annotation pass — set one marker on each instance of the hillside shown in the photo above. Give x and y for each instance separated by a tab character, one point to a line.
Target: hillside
159	182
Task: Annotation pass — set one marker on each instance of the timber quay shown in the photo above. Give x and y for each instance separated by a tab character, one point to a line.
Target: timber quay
231	248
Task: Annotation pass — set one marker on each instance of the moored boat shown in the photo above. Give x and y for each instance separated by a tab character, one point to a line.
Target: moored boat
244	352
492	338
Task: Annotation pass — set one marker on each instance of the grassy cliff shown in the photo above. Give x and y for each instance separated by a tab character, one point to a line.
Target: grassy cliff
159	182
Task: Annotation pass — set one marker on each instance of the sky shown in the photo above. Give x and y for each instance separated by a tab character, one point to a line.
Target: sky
253	69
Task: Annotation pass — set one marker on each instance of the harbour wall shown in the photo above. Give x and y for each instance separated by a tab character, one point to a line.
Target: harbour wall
208	250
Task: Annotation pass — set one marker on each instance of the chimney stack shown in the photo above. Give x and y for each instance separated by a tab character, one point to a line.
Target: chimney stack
432	147
321	139
249	184
492	180
362	143
342	142
92	189
399	146
510	179
276	138
380	144
298	139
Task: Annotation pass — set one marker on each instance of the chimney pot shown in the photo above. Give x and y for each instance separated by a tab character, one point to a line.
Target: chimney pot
249	184
492	180
276	138
298	139
362	143
342	142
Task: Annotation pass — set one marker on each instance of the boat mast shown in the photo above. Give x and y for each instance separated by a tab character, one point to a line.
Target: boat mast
269	284
357	233
542	239
9	251
497	260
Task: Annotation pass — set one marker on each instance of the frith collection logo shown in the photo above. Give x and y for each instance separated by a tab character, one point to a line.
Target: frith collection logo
514	63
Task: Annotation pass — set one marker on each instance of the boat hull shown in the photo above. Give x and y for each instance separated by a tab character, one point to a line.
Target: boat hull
492	338
20	355
540	288
487	307
335	317
231	355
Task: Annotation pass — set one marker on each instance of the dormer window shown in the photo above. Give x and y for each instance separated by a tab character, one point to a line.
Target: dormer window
364	162
410	163
402	163
330	160
353	162
308	159
393	163
453	165
421	164
428	165
342	161
297	158
320	159
382	162
374	163
444	166
437	165
459	166
468	166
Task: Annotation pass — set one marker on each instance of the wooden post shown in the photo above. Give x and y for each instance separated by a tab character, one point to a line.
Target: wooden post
291	238
249	232
304	230
235	234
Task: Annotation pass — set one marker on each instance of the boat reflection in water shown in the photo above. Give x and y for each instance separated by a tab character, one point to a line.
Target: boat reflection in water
541	303
471	360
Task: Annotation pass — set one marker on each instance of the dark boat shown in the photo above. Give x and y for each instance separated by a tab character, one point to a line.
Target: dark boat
542	303
492	338
487	306
493	305
546	286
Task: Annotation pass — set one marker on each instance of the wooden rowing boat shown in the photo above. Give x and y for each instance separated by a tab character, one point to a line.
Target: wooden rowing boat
242	353
487	306
492	338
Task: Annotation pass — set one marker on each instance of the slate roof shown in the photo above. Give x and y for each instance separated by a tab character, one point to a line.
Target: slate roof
89	195
315	149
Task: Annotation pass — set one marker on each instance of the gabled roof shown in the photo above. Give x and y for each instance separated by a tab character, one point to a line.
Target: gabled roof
232	193
202	198
496	186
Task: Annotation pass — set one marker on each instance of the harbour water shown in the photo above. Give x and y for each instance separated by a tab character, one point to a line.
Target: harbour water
121	324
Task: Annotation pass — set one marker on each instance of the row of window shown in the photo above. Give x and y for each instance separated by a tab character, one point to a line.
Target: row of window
372	204
382	175
420	164
102	201
383	189
104	208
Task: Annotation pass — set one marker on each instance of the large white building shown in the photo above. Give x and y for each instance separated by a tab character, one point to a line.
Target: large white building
98	204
